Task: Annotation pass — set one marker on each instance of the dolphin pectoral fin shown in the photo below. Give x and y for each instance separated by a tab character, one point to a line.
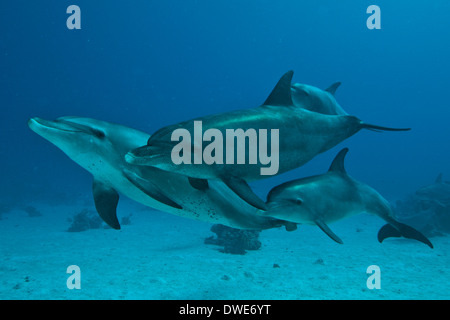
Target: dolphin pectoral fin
290	226
397	229
106	200
243	190
150	189
328	231
199	184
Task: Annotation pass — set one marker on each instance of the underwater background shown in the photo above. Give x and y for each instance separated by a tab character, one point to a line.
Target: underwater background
147	64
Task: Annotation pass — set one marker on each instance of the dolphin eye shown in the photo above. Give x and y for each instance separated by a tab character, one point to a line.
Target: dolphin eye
297	201
98	133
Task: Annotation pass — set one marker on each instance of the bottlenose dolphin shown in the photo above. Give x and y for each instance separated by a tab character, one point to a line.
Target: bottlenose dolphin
437	193
323	199
302	135
100	147
315	99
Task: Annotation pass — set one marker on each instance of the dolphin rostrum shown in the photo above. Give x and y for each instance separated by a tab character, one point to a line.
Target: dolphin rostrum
323	199
100	147
302	135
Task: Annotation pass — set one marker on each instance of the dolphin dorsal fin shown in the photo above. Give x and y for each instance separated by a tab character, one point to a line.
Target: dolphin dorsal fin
338	162
439	178
332	89
281	94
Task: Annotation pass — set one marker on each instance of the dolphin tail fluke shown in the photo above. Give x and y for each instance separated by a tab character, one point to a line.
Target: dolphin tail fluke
380	128
243	190
106	200
397	229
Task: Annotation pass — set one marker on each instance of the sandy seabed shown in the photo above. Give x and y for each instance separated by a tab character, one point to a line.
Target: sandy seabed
161	256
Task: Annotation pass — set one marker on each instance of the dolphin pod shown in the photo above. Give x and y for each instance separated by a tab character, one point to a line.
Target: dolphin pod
303	134
310	121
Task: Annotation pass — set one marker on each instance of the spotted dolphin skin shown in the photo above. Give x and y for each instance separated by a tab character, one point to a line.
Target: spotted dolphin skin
100	147
303	134
323	199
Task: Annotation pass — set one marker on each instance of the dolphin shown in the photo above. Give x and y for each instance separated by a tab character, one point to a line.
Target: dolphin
317	100
303	134
437	193
100	147
323	199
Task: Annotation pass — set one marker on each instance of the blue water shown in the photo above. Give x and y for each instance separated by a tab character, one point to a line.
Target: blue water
147	64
